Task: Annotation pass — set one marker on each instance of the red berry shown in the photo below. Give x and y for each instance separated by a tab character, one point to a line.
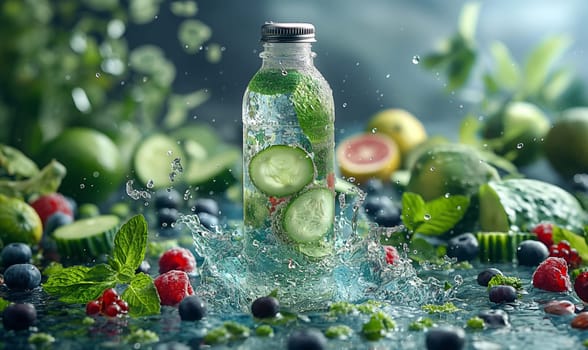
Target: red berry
552	275
564	251
177	258
580	321
93	307
50	204
392	256
173	286
111	310
544	232
124	307
581	286
109	296
560	307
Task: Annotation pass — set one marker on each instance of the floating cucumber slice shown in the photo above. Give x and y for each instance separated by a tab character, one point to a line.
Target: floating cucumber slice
499	247
154	159
214	172
87	239
309	216
281	170
524	203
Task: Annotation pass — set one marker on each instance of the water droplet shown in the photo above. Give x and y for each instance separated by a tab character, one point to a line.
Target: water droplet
427	217
388	76
447	195
374	130
96	174
416	59
284	72
97	75
344	104
357	64
520	145
432	168
82	186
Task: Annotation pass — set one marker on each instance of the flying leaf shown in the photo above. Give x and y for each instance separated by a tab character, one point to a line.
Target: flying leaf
541	60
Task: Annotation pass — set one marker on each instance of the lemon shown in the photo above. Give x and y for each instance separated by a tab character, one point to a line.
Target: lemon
400	125
566	143
19	222
449	169
93	162
366	156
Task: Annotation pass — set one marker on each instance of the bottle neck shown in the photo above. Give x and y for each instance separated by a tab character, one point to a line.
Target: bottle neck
287	55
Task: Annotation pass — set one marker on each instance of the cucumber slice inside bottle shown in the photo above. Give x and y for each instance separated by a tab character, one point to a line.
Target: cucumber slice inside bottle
281	170
309	216
87	239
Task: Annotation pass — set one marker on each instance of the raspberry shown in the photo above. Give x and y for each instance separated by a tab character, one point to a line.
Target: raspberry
50	204
392	256
544	232
177	258
565	251
552	275
581	286
172	287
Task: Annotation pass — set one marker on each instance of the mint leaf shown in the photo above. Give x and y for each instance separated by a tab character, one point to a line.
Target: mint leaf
413	210
3	304
576	241
142	297
434	217
80	284
129	247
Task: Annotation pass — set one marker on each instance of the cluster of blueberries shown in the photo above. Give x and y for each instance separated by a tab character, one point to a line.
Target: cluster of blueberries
169	203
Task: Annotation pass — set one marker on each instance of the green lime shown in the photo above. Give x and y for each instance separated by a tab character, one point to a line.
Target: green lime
19	222
93	162
158	160
566	143
517	132
449	169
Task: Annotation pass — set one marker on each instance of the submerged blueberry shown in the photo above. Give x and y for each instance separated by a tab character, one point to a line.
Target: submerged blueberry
167	216
206	205
265	307
502	294
19	316
486	275
16	253
168	198
208	220
531	253
494	318
382	210
22	277
192	308
463	247
307	339
445	338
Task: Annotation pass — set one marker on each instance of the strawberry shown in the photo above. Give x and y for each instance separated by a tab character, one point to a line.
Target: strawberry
581	286
172	287
552	275
177	258
50	204
544	232
392	256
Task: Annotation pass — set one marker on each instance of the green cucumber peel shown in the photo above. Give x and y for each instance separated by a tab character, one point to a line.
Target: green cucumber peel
80	284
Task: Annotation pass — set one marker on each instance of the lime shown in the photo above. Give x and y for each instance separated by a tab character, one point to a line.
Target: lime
516	132
401	126
157	159
366	156
449	169
19	222
93	162
566	143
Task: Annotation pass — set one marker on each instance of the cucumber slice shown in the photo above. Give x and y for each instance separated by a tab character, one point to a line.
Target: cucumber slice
212	172
281	170
500	247
87	239
309	216
153	161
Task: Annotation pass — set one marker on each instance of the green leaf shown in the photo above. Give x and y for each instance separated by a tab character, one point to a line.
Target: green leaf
3	304
460	68
576	241
507	73
142	297
559	82
130	243
413	210
144	11
193	34
441	214
80	284
468	21
425	251
184	8
180	105
469	130
541	60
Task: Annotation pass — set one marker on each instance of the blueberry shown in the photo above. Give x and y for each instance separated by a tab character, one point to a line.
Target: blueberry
388	217
19	316
16	253
168	198
502	294
307	339
531	253
192	308
167	216
209	221
375	203
374	185
144	267
463	247
265	307
22	277
382	210
494	318
486	275
56	220
73	205
445	338
580	183
206	205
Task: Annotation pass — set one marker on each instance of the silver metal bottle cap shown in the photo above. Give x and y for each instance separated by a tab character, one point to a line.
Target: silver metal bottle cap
272	32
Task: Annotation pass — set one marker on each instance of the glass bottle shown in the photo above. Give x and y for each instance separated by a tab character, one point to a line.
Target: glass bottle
288	167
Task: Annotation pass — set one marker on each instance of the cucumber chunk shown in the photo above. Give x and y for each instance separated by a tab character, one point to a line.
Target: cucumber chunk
153	161
87	239
309	216
281	170
500	247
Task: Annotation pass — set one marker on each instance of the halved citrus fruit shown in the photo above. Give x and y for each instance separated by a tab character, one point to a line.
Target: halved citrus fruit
366	156
401	126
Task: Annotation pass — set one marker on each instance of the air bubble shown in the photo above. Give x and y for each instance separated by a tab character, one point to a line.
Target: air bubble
416	59
150	183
